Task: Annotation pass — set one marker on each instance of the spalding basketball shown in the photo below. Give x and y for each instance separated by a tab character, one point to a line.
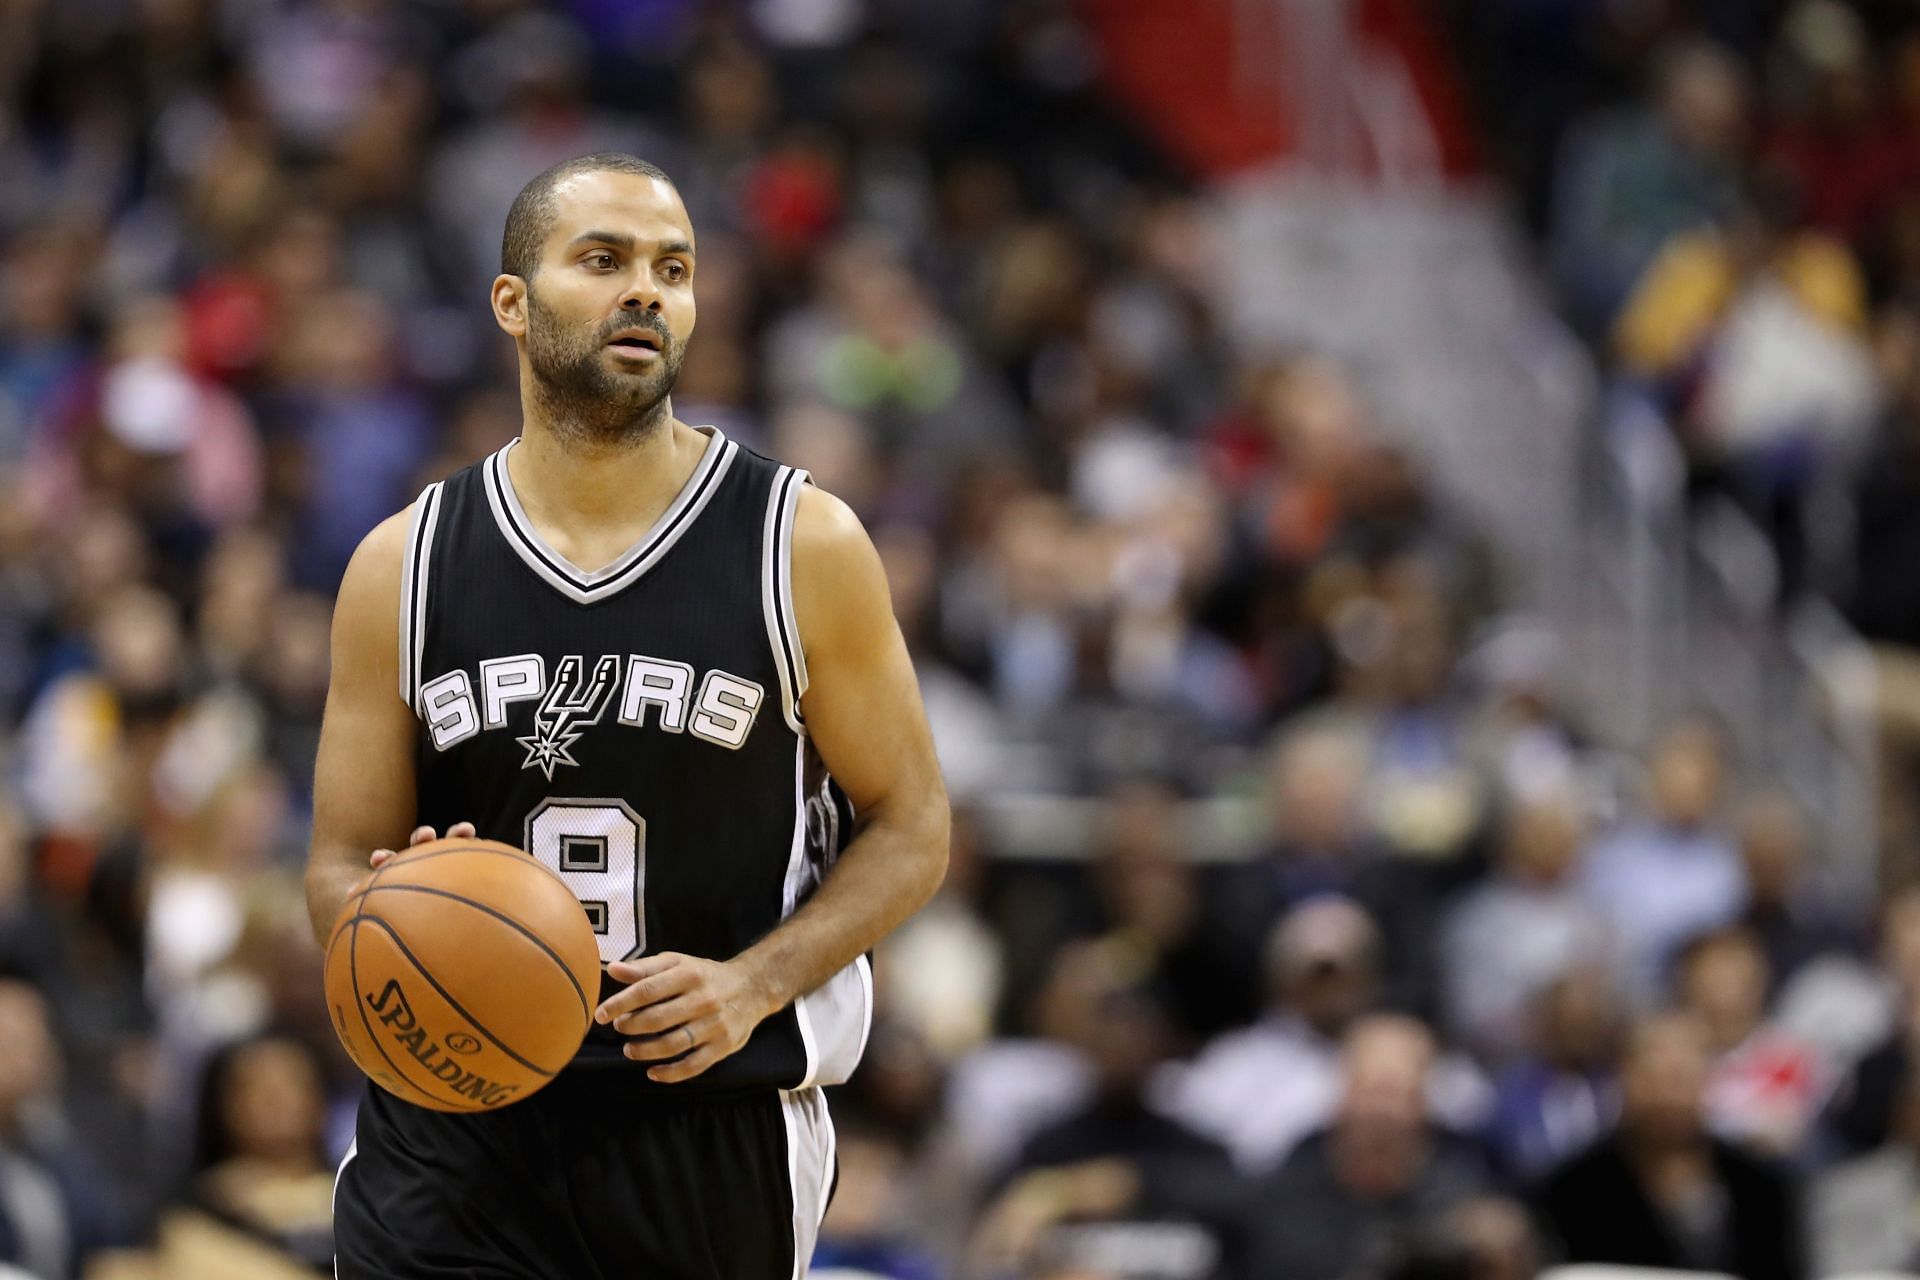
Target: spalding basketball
462	975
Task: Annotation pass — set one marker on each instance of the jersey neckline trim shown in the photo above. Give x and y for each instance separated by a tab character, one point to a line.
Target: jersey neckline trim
629	566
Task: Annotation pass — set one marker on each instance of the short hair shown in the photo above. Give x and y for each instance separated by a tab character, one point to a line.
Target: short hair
532	214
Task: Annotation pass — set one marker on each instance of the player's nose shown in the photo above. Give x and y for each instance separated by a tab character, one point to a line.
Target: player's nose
642	294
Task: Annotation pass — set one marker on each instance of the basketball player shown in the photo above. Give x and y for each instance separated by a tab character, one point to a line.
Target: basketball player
668	668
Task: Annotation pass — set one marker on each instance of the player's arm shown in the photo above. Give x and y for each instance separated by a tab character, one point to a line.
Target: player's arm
863	710
363	792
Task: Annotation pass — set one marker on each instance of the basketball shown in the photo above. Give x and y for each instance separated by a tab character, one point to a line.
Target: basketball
462	975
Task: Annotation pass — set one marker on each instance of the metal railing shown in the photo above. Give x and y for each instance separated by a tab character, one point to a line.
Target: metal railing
1350	113
1681	611
1662	604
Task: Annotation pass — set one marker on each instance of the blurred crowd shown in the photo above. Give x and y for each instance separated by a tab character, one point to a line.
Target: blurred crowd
1362	958
1728	198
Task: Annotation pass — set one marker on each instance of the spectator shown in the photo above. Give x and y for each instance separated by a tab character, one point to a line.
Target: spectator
880	347
89	731
359	433
1757	332
1661	879
1005	1090
1858	1207
1766	1086
1498	1238
181	451
1557	1098
1785	911
1127	1036
1865	1108
534	62
55	1206
1660	1190
1884	601
1291	455
1380	1166
1524	739
1340	1202
1156	906
967	727
1318	845
261	1167
41	352
1261	1090
1077	1192
1838	140
1708	283
1424	803
1522	930
1628	182
941	971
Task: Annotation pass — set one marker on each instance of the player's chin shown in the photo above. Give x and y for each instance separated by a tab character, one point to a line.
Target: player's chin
636	385
638	382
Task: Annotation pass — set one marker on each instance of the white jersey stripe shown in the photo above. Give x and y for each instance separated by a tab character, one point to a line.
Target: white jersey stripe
333	1201
811	1147
775	589
413	591
796	653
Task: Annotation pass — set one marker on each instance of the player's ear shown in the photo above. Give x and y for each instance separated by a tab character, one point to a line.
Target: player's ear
510	304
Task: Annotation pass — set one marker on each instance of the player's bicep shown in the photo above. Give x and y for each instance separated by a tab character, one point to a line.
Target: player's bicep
862	704
363	790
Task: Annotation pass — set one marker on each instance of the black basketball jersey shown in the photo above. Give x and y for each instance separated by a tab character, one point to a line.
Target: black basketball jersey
638	730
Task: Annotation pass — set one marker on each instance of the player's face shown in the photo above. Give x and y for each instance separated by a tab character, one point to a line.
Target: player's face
610	312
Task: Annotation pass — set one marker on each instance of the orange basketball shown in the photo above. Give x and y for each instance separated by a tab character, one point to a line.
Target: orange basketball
462	975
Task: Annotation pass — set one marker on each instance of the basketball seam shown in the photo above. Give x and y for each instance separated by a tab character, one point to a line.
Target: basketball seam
448	996
504	852
482	847
353	974
499	851
503	918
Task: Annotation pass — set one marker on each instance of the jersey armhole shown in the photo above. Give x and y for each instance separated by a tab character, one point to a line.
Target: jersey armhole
413	592
776	593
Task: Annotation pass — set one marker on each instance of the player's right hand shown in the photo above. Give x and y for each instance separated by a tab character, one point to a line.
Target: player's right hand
421	835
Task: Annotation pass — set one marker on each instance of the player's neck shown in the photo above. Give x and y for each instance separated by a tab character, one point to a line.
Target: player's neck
576	491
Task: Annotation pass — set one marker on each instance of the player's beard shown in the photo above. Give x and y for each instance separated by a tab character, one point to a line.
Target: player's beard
581	397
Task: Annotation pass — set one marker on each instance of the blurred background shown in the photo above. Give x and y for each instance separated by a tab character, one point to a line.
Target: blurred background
1407	513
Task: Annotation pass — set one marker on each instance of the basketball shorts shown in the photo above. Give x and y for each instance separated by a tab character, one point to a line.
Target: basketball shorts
588	1179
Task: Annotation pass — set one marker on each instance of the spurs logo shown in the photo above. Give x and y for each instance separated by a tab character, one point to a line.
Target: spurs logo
660	694
568	708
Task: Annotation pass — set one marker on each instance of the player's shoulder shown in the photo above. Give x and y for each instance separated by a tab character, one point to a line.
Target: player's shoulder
367	607
834	560
828	540
375	570
839	584
383	549
824	524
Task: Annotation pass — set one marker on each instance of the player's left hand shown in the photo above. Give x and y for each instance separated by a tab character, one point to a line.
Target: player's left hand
693	1011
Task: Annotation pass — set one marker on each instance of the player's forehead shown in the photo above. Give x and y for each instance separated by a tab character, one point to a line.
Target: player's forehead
626	204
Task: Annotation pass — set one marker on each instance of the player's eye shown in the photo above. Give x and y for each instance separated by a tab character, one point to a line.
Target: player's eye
675	271
601	260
